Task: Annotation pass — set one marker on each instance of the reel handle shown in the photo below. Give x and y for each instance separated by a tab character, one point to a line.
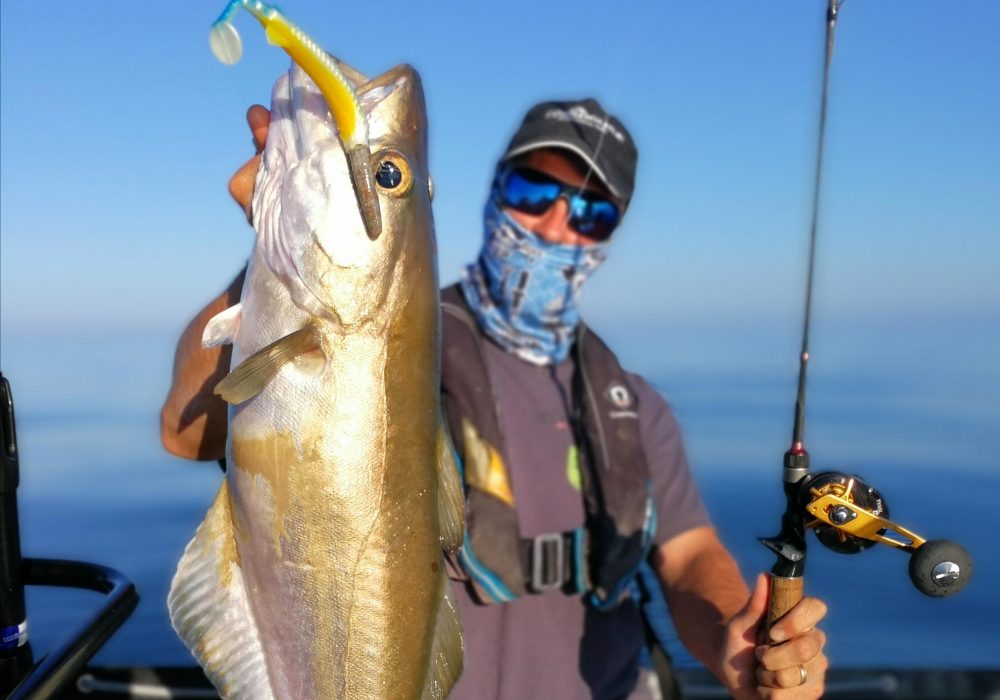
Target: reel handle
783	593
940	568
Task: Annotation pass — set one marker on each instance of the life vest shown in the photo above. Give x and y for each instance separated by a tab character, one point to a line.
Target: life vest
597	559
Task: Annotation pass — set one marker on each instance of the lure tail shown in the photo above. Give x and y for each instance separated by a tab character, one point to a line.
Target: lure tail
345	107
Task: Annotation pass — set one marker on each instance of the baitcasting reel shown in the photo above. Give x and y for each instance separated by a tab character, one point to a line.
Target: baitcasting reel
849	516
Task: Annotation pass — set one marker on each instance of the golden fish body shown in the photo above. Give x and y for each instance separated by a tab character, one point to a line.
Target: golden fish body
318	573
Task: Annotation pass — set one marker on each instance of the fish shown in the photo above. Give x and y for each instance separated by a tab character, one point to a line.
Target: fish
319	571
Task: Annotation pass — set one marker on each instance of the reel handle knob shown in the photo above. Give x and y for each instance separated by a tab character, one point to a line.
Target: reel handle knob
940	568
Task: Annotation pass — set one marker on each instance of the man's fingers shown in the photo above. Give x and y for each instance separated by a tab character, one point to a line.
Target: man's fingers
804	616
782	678
800	650
802	682
259	119
796	669
241	184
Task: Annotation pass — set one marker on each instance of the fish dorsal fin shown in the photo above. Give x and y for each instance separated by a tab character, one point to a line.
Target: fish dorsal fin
447	649
451	501
371	94
210	610
352	73
221	329
253	374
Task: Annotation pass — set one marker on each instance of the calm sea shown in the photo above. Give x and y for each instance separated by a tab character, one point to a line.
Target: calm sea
912	407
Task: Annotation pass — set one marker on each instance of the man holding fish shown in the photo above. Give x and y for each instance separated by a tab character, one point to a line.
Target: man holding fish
573	469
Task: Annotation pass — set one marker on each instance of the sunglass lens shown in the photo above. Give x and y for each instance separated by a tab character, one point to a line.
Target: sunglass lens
596	218
528	192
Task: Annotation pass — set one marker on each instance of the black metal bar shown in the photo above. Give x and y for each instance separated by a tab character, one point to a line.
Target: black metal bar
15	651
63	665
17	678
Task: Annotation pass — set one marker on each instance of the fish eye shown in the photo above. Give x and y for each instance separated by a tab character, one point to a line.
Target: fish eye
388	175
392	172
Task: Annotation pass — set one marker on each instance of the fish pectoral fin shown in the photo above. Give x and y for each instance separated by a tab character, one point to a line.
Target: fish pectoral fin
254	373
210	610
447	649
451	500
221	329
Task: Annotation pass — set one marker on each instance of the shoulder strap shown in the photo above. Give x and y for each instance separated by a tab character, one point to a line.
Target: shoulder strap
620	513
491	554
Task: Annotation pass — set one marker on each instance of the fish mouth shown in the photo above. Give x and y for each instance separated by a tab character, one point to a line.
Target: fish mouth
337	89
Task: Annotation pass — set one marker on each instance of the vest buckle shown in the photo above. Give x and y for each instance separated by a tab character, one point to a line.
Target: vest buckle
548	559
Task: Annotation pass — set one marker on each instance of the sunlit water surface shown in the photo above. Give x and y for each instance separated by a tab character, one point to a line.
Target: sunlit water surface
911	407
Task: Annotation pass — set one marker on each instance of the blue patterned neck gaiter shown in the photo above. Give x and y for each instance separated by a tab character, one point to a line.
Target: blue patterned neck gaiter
523	290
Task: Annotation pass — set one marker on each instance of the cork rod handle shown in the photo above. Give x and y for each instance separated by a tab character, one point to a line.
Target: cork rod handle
784	594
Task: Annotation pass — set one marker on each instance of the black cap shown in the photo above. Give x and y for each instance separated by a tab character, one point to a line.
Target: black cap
584	128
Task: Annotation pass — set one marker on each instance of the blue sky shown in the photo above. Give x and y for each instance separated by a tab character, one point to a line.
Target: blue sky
120	130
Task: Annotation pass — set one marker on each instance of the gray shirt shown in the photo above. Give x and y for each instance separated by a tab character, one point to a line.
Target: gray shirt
552	646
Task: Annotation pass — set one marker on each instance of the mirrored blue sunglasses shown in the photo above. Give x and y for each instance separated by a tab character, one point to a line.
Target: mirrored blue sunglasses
590	213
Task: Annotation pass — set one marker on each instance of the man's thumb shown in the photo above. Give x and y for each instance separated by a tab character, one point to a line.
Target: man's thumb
753	612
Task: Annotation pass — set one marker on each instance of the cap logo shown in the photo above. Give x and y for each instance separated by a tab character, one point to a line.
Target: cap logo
579	115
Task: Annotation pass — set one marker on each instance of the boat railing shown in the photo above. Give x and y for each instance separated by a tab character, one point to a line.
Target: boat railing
20	677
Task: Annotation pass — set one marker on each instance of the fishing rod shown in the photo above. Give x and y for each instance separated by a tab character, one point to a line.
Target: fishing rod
847	514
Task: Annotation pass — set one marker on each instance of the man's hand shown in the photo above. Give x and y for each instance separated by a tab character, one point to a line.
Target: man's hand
193	418
241	184
792	666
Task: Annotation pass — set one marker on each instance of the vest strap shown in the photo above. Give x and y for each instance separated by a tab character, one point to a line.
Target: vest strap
556	560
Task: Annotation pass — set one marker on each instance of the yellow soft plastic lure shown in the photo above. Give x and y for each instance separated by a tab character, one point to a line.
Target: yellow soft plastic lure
331	81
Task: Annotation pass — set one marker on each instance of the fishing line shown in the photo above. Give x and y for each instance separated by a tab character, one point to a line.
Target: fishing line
569	293
590	165
590	168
